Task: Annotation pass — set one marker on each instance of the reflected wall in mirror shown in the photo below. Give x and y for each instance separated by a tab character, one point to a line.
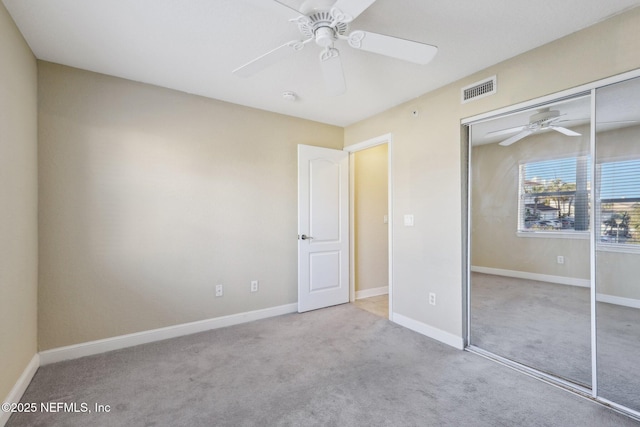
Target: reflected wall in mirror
617	242
530	250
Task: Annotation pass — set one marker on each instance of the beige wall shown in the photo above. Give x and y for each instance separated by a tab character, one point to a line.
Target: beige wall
428	179
150	197
18	208
371	206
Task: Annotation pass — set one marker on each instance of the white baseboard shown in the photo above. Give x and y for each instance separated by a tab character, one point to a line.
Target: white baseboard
430	331
20	386
373	292
130	340
612	299
561	280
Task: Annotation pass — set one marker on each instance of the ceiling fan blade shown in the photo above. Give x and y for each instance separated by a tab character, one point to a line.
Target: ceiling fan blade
269	58
516	137
407	50
348	10
565	131
288	6
331	65
505	131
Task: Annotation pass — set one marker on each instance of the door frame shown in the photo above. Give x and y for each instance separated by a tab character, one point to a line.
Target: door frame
352	149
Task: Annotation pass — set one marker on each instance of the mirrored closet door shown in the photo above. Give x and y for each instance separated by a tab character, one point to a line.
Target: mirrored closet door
529	219
554	243
617	242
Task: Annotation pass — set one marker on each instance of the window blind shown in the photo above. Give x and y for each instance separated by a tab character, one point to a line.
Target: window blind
619	202
554	195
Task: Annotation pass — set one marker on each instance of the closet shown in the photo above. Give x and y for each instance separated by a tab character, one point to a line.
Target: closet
553	277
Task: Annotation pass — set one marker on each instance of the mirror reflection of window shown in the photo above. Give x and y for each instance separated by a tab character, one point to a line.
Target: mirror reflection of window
554	195
619	203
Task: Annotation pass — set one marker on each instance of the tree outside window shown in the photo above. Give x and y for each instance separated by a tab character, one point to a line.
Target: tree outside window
619	202
554	195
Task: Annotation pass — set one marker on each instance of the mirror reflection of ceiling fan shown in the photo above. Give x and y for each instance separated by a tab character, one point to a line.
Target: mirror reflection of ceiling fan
544	119
325	22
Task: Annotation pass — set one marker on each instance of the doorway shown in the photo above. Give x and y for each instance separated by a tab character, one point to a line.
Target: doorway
370	225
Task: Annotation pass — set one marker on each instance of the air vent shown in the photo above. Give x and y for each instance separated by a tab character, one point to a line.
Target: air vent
480	89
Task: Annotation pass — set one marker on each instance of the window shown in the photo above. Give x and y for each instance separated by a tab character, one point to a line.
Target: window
619	203
554	195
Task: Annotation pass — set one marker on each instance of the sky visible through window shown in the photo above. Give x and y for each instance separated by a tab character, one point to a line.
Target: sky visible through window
620	179
548	170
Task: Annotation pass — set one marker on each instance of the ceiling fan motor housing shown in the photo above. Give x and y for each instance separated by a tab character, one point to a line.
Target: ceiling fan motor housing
318	26
325	36
543	117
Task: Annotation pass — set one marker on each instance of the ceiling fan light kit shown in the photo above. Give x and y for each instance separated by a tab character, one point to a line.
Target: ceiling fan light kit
326	22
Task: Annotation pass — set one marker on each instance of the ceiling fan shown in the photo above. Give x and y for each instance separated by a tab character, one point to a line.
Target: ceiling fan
543	120
326	22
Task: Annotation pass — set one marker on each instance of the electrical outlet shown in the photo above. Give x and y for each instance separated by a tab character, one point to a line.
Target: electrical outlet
254	286
560	259
432	298
218	290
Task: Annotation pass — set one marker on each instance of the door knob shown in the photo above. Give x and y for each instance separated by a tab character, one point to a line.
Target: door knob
305	237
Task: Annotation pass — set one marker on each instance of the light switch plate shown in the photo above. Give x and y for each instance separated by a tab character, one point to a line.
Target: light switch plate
408	220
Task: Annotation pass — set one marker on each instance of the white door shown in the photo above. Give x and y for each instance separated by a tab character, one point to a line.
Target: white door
323	227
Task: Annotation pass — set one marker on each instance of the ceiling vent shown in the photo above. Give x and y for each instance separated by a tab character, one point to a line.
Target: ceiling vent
480	89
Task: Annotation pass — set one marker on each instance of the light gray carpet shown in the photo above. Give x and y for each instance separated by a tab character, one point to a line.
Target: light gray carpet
542	325
618	338
340	366
547	326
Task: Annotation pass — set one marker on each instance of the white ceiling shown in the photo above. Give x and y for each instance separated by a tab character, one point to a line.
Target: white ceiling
193	45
